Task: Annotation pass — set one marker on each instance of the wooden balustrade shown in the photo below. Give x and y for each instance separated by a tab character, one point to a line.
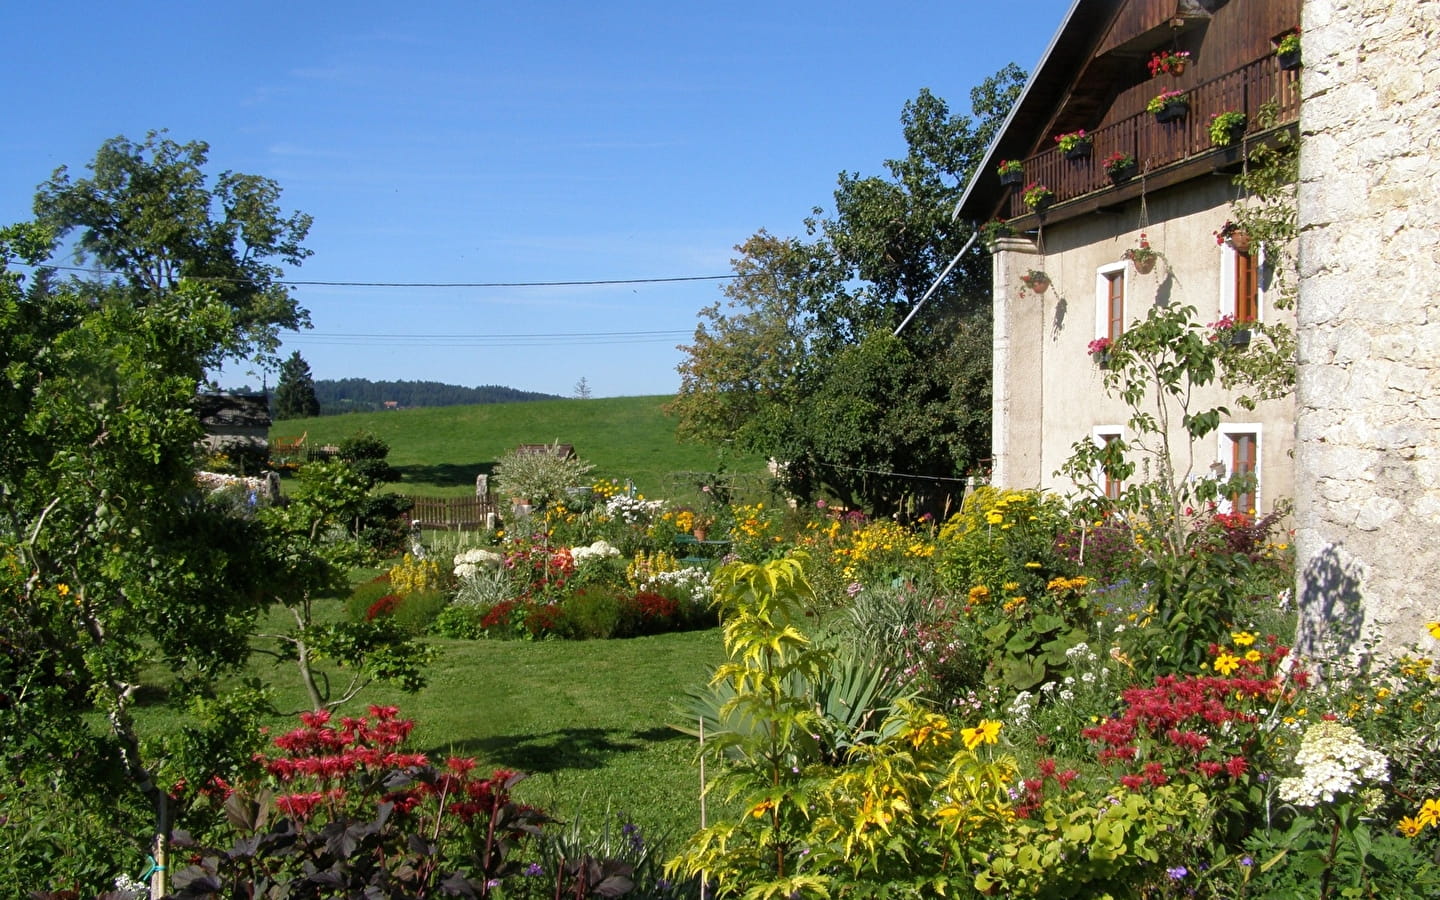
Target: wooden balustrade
1158	144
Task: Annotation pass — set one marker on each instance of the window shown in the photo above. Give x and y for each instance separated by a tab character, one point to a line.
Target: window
1240	277
1240	455
1104	436
1110	301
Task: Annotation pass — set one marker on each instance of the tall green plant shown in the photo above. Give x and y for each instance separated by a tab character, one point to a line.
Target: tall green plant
760	852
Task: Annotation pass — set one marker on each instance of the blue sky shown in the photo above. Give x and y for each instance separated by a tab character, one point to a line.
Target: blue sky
463	142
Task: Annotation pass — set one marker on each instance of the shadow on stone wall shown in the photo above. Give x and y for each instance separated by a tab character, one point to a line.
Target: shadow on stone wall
1332	612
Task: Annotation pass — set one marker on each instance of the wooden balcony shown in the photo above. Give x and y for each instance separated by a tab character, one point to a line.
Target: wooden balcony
1159	146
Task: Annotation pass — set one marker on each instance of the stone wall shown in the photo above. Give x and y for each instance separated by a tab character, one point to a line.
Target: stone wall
1368	417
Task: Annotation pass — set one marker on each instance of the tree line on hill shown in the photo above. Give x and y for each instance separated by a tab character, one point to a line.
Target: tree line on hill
298	394
361	394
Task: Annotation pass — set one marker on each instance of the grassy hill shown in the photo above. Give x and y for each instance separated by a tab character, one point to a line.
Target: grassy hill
440	450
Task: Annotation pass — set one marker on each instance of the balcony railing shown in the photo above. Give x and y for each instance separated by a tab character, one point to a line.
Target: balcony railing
1155	144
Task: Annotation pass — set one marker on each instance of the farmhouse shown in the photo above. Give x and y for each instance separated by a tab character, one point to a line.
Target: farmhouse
1119	178
1364	425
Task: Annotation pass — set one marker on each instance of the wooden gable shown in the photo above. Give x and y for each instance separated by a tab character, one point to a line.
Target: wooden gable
1095	77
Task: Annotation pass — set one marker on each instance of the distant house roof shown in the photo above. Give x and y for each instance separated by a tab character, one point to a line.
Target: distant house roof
233	410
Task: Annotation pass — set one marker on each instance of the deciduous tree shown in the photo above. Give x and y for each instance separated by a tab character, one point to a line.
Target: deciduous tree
805	364
149	216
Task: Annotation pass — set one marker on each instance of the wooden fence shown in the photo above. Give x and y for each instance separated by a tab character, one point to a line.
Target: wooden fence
454	513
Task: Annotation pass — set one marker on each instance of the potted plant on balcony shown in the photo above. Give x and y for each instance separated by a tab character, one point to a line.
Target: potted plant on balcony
994	229
1120	166
1227	128
1287	49
1038	197
1012	171
1142	257
1234	235
1168	62
1168	106
1075	144
1099	351
1036	280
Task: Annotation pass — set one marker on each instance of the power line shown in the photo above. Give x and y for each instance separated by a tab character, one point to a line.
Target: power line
422	284
442	341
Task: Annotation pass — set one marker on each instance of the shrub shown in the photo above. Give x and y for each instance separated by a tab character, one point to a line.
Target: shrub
596	612
364	596
541	478
463	622
415	612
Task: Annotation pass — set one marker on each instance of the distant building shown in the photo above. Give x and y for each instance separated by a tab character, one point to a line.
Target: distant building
234	423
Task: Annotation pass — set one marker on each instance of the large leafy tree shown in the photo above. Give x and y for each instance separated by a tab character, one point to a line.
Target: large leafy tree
295	392
149	216
111	561
114	566
803	362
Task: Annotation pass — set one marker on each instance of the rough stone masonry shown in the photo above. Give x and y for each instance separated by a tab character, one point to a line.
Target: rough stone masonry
1368	416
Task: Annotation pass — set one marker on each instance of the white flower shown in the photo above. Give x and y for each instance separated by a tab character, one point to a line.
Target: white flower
631	510
597	550
693	580
470	561
1333	760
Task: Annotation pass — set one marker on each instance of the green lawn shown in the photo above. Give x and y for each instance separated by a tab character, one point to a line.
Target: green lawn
588	720
440	450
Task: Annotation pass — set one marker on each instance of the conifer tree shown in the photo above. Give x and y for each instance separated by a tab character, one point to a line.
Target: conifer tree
295	393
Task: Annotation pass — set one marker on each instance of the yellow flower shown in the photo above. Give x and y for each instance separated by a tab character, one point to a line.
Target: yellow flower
1409	827
1225	663
987	732
1429	812
1253	656
62	589
979	593
761	808
1242	638
1010	586
1434	629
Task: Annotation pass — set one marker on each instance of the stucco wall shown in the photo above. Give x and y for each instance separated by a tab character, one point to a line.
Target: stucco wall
1368	419
1043	372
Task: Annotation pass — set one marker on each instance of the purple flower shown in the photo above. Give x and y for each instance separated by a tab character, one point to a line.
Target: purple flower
534	869
1177	873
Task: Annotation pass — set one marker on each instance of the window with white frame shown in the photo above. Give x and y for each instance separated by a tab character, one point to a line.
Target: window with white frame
1103	436
1241	290
1239	454
1110	315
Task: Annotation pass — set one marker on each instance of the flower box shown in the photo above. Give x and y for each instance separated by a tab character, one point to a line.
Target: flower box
1039	197
1120	167
1172	112
1074	144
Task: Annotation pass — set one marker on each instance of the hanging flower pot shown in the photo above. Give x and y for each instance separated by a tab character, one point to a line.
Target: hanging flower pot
1036	281
1142	257
1168	62
1233	235
1011	171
